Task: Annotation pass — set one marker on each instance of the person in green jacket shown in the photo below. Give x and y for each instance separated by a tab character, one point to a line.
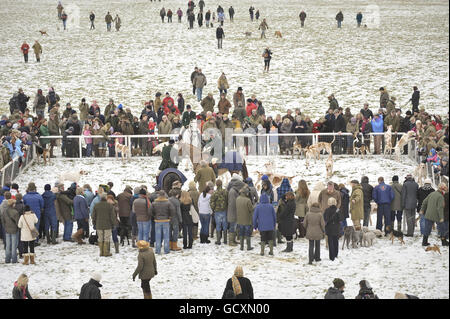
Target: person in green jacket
433	211
244	213
188	116
146	268
166	158
44	132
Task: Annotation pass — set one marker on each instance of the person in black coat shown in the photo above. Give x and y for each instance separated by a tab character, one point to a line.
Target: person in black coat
22	100
90	290
339	126
219	35
286	220
20	290
332	218
415	99
367	192
345	201
238	286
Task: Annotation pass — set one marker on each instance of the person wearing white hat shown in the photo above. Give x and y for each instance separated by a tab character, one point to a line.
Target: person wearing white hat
91	289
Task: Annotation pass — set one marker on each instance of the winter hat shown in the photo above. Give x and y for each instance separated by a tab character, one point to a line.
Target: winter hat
338	283
354	182
136	190
73	185
96	276
395	178
120	106
142	192
47	187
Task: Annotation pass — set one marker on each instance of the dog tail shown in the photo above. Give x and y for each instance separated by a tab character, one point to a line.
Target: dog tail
334	138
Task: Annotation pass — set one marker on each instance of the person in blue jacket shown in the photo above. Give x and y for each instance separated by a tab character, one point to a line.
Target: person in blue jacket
359	17
81	215
36	203
264	219
383	195
377	127
50	220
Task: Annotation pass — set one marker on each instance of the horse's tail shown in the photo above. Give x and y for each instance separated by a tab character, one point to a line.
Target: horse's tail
244	171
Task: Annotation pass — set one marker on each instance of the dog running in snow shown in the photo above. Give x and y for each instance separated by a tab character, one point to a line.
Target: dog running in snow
433	248
394	234
278	34
43	32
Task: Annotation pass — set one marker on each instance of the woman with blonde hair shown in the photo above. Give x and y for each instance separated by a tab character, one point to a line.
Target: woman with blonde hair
238	286
187	220
20	290
26	224
301	204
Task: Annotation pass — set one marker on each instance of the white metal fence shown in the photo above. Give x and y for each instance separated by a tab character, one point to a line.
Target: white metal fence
11	170
262	142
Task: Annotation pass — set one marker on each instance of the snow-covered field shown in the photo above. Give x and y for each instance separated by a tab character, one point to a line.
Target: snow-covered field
409	46
202	272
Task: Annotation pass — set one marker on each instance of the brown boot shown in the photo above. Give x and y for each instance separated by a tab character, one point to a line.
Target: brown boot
77	236
170	245
32	259
26	259
147	295
175	246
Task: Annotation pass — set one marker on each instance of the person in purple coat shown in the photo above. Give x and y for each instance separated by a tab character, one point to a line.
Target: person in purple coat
264	219
383	195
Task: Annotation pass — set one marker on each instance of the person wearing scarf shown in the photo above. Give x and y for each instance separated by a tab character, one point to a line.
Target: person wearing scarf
238	286
20	290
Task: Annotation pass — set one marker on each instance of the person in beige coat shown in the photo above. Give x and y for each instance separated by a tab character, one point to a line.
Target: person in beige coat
315	231
222	84
26	223
357	204
204	175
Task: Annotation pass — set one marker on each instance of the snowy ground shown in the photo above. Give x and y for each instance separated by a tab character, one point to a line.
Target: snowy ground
62	269
409	46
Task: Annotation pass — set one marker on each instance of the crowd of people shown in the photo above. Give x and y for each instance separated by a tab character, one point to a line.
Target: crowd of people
168	115
229	213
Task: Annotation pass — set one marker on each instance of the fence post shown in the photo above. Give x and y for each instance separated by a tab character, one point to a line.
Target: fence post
80	149
129	145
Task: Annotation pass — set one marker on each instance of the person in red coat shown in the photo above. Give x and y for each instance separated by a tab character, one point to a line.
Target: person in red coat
250	106
25	48
171	108
166	100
